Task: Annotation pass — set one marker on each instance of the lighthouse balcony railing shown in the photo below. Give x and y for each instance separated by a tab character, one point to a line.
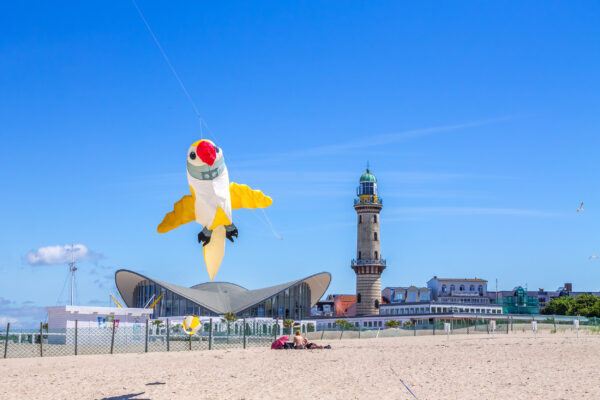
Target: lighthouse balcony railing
369	200
380	261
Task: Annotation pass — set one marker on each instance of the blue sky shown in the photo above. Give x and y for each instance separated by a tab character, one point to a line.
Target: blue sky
480	121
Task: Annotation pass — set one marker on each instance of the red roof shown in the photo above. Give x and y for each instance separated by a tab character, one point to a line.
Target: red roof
342	303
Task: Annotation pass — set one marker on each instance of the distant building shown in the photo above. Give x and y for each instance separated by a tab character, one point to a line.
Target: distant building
471	291
63	318
411	294
523	301
519	301
441	296
344	305
288	300
325	308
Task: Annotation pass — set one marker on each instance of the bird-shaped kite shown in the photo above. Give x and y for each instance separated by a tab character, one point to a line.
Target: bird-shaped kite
210	203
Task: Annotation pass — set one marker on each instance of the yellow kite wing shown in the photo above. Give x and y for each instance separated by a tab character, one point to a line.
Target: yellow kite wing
183	212
244	197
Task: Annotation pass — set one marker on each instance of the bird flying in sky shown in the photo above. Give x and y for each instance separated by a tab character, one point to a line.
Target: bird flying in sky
580	207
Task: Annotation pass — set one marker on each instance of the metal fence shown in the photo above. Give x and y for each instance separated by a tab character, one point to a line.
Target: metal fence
504	324
156	337
149	337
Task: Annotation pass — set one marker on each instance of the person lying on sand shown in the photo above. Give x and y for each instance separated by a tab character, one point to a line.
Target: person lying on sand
311	345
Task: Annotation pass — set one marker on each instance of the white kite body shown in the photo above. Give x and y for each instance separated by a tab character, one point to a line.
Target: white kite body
210	195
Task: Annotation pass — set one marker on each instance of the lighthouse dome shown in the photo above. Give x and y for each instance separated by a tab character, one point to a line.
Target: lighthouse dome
368	177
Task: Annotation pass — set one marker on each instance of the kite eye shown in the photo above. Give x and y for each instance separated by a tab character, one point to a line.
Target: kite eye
193	155
217	149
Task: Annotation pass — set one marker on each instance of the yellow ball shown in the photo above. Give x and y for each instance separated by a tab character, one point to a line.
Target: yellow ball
191	324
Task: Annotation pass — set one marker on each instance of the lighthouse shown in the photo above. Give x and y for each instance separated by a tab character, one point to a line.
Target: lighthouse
368	264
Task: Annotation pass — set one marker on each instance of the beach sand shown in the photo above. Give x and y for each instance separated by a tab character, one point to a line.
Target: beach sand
514	366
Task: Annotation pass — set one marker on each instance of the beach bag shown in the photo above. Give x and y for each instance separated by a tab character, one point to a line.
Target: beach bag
279	343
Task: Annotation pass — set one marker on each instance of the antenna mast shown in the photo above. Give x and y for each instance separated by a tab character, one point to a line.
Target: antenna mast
72	269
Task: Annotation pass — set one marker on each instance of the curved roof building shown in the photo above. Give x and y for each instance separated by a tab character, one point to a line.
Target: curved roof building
287	300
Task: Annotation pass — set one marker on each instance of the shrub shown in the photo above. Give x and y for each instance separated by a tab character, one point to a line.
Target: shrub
392	324
344	324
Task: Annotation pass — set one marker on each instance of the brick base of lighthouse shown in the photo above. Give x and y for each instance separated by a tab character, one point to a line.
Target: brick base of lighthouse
368	286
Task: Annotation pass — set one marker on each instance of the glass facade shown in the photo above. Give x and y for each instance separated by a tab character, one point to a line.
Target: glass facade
171	304
367	188
293	302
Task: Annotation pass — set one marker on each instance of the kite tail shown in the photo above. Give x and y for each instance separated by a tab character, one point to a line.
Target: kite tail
214	251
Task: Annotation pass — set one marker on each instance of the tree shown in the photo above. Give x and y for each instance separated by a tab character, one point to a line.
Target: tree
407	324
586	305
229	318
342	323
287	323
157	324
392	324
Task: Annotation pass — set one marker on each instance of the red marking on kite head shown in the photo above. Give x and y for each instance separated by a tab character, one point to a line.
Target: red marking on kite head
207	152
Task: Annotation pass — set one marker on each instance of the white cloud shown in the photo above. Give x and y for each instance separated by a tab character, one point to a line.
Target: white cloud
52	255
369	141
5	320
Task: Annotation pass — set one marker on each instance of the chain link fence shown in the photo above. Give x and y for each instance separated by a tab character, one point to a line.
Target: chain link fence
544	324
156	336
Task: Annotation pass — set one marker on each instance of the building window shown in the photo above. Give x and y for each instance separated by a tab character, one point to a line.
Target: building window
480	289
376	303
360	219
462	288
452	288
424	296
412	297
359	255
376	256
358	297
375	236
443	288
472	288
375	218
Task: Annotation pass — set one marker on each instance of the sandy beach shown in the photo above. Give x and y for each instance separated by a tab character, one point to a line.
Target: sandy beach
516	366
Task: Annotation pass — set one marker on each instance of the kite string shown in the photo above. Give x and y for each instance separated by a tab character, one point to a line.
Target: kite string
275	233
266	222
407	388
63	288
168	61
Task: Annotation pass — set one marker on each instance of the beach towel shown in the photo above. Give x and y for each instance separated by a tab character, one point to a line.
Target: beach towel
279	343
